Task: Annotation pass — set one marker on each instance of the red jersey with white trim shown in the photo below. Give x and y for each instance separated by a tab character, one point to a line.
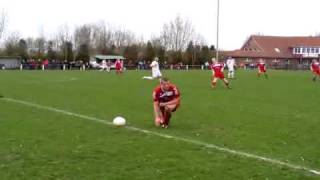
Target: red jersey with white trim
262	67
165	96
217	68
118	64
315	66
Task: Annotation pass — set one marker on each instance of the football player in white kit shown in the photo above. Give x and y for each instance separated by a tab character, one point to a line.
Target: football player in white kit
230	64
103	65
155	70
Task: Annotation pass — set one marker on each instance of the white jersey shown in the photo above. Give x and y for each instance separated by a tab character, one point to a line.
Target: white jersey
104	64
230	64
155	69
155	66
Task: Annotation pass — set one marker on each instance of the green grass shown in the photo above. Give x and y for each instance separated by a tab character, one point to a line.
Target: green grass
276	118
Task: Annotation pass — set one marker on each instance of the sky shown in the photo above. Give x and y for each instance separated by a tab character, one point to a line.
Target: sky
238	18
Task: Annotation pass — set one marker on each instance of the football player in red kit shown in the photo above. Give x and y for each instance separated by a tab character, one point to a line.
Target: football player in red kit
217	73
166	99
315	68
262	69
118	66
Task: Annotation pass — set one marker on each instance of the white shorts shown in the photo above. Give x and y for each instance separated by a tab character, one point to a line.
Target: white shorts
231	69
156	74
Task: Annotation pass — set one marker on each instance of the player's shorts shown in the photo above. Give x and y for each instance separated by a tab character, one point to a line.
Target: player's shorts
156	74
219	75
173	110
118	68
231	69
262	70
316	71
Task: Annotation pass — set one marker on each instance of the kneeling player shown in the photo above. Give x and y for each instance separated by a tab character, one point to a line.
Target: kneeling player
262	69
156	74
166	99
315	68
217	73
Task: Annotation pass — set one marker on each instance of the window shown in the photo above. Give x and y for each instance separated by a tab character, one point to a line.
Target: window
308	50
317	50
298	50
312	50
304	50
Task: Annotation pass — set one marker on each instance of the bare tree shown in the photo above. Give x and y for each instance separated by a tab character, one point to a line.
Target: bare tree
63	35
177	34
31	45
156	41
63	41
84	35
84	39
3	22
122	38
102	37
199	40
11	43
40	44
40	47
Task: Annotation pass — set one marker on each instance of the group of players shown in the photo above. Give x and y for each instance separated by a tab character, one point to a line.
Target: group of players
106	65
166	96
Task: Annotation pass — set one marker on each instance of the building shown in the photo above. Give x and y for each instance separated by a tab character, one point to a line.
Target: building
279	52
108	57
97	59
8	62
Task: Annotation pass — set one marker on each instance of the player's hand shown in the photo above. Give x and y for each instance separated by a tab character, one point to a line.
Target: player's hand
160	120
162	104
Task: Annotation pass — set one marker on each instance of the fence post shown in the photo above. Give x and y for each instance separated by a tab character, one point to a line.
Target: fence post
21	66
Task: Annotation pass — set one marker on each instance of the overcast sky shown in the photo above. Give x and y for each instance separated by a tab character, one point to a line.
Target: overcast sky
239	18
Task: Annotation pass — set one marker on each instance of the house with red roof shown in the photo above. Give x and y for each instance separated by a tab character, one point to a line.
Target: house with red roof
278	51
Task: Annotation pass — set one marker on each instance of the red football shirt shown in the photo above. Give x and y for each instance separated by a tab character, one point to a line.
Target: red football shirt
217	68
262	66
315	66
165	96
118	64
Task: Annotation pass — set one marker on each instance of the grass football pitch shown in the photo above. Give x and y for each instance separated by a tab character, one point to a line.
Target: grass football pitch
52	127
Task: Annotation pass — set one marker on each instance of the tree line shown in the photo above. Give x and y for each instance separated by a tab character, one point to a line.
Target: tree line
177	43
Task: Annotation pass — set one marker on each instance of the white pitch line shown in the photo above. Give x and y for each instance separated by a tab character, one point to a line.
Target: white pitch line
196	142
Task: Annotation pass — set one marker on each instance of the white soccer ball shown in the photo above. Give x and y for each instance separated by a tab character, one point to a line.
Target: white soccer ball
119	121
